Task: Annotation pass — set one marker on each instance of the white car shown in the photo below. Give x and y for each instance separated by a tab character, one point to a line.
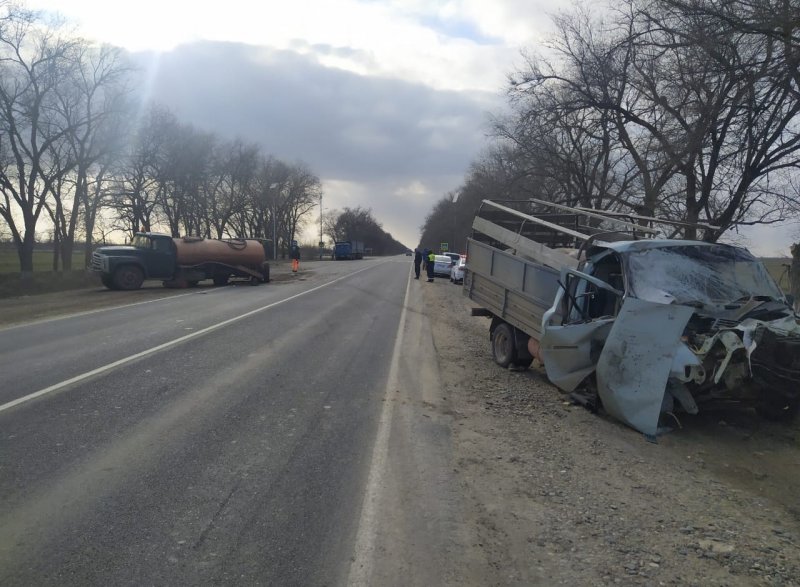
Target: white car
457	270
442	265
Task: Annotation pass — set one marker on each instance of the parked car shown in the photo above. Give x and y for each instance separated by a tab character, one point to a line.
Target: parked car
454	256
457	270
442	265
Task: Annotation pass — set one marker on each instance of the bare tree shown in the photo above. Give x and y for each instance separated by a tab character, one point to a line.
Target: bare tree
134	179
302	196
706	111
95	102
33	60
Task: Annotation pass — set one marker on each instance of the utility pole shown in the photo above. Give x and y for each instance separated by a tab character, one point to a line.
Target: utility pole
321	242
273	186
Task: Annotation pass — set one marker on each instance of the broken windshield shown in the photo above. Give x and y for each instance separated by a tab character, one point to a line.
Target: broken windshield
704	274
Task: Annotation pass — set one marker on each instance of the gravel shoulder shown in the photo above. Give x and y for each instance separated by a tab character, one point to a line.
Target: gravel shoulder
561	496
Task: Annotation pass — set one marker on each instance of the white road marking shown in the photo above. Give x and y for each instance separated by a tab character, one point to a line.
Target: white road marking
166	345
364	553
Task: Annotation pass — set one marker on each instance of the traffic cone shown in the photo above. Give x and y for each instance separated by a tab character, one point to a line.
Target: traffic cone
295	265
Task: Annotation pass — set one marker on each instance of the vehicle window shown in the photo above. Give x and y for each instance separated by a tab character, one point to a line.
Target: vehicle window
142	242
698	273
586	301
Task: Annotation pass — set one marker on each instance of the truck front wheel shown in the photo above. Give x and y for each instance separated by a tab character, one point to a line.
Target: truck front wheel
128	277
108	281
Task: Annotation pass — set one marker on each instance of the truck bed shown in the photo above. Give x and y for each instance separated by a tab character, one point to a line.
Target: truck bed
513	288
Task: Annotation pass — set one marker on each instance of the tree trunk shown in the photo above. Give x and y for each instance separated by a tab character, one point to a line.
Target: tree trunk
795	276
25	253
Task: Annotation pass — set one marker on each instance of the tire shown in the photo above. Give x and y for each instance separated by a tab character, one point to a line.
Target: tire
107	281
503	349
128	277
220	280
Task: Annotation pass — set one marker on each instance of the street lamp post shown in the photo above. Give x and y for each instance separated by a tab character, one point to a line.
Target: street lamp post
272	186
320	226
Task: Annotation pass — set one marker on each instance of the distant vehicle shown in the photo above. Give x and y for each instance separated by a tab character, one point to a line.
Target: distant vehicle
179	262
348	250
409	252
442	265
457	270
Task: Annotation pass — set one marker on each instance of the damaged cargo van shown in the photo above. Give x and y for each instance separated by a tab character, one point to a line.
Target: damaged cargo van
643	326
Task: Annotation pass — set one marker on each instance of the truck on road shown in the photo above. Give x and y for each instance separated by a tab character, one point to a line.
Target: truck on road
348	250
179	262
640	325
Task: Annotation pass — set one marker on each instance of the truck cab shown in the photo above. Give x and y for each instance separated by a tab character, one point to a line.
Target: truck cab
149	256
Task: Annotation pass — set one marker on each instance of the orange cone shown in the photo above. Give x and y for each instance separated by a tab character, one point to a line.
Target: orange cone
295	265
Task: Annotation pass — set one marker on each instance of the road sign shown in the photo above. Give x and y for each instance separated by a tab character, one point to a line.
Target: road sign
444	247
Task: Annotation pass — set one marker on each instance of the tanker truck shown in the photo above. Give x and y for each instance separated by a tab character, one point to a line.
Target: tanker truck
179	262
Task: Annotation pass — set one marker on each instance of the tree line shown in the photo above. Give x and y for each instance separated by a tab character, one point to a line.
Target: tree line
359	224
682	109
83	155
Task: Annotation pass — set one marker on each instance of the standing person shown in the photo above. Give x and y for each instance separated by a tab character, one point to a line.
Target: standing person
425	252
295	257
431	261
417	262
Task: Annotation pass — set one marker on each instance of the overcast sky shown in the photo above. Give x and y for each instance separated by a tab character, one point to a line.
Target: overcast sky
386	100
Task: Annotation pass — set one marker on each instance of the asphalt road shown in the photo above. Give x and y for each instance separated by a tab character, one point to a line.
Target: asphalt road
225	436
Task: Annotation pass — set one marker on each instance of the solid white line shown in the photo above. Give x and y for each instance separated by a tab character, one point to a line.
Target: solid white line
364	552
166	345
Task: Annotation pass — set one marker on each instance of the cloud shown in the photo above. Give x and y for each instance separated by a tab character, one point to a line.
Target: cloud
390	145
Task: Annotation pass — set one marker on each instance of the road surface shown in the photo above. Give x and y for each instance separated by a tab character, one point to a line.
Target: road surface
237	435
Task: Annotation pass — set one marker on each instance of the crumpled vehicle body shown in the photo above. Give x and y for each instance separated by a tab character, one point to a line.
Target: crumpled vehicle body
671	326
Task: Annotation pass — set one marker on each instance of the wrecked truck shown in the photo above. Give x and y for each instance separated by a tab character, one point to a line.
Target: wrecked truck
645	327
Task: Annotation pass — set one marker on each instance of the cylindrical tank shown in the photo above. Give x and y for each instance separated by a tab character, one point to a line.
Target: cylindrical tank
192	250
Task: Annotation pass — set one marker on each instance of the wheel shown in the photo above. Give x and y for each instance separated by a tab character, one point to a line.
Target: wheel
107	281
220	280
503	345
128	277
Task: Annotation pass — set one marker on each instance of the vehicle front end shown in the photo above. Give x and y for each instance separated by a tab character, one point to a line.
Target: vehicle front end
655	328
741	344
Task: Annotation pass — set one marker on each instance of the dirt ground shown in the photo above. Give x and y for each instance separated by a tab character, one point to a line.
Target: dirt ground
563	496
27	308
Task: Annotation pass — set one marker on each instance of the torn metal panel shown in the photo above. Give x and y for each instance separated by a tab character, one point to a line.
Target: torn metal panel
637	359
569	353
